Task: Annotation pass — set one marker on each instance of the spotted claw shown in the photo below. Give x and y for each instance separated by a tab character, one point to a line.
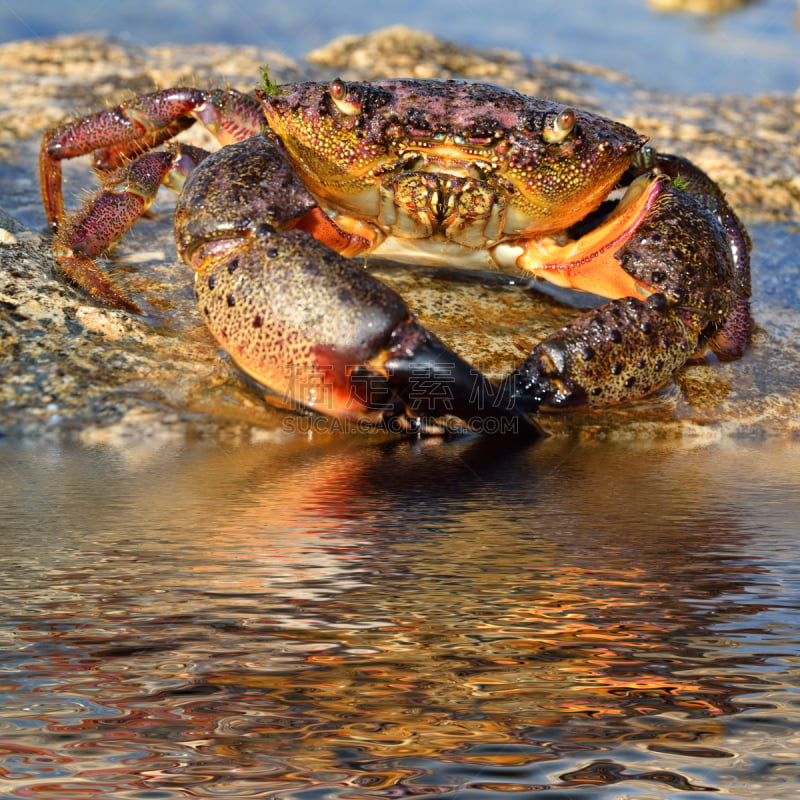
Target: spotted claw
325	335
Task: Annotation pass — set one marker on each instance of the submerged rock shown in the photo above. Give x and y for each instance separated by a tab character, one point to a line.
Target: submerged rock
71	367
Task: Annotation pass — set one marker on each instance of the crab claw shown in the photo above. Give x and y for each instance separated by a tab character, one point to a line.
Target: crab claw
321	332
425	384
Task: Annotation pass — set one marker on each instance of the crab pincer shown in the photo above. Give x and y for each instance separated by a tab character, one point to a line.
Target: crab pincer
632	345
310	324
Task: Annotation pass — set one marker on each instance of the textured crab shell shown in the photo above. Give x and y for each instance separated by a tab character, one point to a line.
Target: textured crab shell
342	136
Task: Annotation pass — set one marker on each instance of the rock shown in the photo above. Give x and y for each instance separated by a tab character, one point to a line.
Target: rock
73	368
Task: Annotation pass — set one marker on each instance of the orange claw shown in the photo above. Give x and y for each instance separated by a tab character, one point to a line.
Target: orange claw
589	264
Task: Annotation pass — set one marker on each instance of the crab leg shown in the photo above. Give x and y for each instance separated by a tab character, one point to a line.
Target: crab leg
632	345
126	194
309	324
120	140
130	129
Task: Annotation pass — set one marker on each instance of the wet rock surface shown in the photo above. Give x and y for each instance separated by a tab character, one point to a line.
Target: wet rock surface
71	367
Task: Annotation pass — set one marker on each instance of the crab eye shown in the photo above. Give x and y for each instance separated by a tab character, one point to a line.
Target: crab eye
345	100
557	127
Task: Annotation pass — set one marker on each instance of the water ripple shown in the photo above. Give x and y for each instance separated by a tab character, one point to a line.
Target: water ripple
394	642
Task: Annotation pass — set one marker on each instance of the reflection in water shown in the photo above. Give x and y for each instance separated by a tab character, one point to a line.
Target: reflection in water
366	618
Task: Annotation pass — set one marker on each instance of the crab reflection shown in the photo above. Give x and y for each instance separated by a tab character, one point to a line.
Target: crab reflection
386	616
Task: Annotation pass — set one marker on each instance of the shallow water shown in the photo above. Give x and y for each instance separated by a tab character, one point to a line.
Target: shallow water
358	618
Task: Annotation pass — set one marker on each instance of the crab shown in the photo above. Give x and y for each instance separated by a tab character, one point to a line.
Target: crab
442	172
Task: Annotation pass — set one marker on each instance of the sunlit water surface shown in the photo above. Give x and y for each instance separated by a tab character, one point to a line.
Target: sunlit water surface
356	618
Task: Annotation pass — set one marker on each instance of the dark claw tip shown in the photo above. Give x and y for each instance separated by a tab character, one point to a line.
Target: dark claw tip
434	383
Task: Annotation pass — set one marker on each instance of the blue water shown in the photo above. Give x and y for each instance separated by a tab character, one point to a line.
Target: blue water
750	50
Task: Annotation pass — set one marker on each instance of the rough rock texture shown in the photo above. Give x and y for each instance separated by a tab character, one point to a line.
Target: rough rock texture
71	367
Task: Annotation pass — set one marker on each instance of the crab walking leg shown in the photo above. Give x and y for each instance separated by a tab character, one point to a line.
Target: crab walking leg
120	140
118	134
127	193
308	323
680	259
